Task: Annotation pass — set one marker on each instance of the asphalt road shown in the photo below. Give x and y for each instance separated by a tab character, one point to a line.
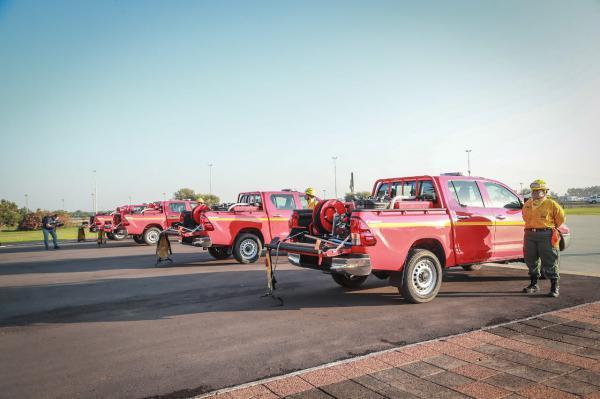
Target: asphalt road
104	322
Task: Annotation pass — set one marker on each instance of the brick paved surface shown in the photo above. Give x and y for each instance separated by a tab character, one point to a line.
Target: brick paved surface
555	355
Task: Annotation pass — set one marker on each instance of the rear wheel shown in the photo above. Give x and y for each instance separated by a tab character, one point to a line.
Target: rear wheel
348	280
119	235
220	252
470	268
110	236
422	276
151	235
138	239
247	248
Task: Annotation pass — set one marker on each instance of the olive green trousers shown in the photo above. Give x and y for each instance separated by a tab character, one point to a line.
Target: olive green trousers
537	248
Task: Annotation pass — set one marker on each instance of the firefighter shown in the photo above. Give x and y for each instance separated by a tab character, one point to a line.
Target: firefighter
309	195
542	216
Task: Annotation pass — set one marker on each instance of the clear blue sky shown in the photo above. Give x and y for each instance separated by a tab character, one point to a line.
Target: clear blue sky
150	92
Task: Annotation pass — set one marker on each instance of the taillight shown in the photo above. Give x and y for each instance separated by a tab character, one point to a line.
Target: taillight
360	233
208	226
294	221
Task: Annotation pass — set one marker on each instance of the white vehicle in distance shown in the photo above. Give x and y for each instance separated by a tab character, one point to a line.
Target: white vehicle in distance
594	199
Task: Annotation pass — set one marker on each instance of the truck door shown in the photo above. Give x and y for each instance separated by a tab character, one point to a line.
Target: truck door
508	221
280	208
473	226
173	212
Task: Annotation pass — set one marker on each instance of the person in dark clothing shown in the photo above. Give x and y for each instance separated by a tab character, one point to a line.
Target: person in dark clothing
49	224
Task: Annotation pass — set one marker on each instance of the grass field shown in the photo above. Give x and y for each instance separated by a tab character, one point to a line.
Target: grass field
583	211
63	233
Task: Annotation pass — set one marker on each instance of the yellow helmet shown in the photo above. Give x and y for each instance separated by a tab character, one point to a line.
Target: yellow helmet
537	185
310	191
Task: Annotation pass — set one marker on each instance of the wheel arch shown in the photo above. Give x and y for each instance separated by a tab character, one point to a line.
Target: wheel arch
433	245
251	230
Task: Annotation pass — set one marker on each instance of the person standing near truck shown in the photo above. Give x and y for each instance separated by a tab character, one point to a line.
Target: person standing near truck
49	224
310	197
542	216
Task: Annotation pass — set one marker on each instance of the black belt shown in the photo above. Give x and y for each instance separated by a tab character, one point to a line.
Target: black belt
544	229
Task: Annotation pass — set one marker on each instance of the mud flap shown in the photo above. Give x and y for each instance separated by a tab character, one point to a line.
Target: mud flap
163	250
397	278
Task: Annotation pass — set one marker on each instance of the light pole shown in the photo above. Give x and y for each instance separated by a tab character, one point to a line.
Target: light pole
468	161
521	188
94	202
95	191
335	175
164	196
324	194
210	165
26	201
129	200
63	203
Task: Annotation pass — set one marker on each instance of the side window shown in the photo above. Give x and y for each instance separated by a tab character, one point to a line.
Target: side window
283	201
501	197
427	191
382	190
466	193
177	207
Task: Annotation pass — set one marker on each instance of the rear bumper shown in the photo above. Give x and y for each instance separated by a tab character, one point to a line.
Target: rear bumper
199	242
355	264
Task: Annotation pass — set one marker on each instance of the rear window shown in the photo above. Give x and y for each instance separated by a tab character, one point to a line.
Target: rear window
405	189
283	201
426	191
466	193
382	190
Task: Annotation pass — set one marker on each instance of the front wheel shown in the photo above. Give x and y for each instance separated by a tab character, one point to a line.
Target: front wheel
422	276
247	248
119	235
138	239
151	235
348	280
220	252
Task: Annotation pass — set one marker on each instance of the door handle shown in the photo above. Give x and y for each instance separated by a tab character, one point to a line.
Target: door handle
278	216
501	217
461	217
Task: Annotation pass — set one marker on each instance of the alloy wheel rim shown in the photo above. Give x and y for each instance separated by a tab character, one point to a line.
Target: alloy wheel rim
248	248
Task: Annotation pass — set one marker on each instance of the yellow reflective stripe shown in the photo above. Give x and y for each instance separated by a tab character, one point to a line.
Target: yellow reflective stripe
490	223
385	225
509	223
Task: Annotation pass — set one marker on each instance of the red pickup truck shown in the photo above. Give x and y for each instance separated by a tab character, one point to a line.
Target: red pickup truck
244	227
410	230
145	225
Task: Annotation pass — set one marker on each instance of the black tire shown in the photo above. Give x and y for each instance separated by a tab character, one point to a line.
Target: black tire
348	280
151	235
247	248
220	252
110	236
422	276
471	268
138	239
119	235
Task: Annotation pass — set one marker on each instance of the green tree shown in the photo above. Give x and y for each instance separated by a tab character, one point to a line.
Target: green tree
184	193
357	195
209	199
9	213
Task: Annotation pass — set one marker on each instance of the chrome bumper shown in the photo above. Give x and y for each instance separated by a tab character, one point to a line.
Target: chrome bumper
199	242
356	265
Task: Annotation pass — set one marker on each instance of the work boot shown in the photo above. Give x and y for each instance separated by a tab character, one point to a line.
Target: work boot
553	288
532	287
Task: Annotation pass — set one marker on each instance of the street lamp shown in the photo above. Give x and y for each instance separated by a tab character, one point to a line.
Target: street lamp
210	165
468	161
94	203
95	191
335	175
324	194
26	201
521	188
63	203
